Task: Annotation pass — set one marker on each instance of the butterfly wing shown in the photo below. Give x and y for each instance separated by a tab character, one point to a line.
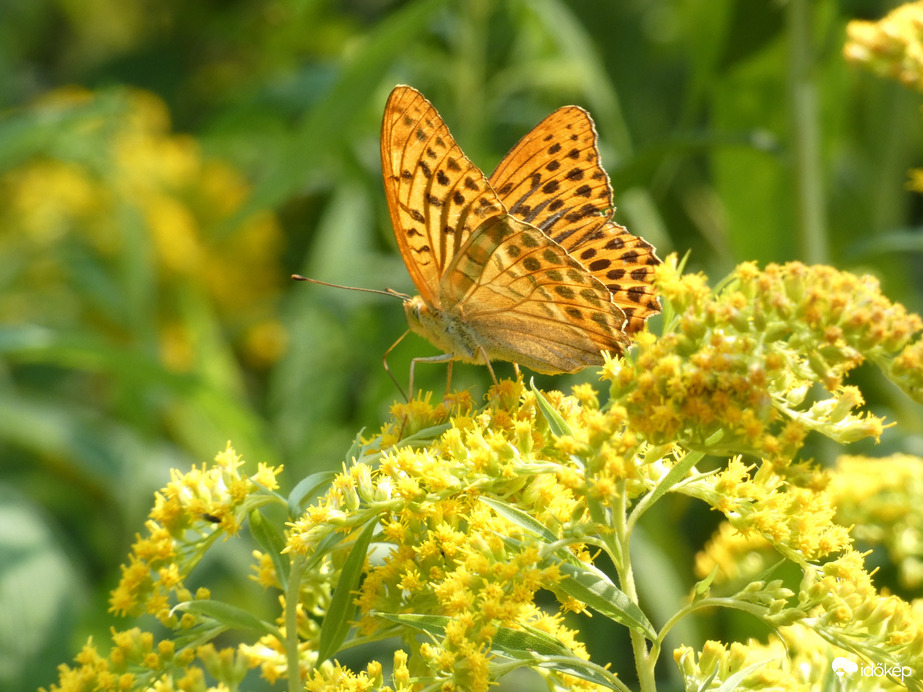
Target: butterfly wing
436	195
552	177
624	264
530	302
554	180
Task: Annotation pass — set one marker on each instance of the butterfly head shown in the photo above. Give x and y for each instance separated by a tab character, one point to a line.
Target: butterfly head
447	332
423	320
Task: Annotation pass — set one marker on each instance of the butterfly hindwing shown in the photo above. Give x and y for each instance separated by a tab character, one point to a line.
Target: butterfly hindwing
553	179
624	264
530	301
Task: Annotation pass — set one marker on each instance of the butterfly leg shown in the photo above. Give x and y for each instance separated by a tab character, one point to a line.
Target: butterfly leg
448	379
384	361
487	363
445	357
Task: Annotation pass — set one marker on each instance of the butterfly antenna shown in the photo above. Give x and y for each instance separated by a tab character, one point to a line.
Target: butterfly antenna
387	292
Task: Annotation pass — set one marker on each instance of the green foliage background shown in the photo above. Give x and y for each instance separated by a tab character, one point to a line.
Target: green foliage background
700	105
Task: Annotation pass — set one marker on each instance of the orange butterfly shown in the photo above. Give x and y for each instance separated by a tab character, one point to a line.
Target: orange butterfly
526	266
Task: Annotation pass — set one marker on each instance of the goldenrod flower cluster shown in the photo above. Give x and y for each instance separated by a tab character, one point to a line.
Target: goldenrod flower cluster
192	511
441	530
796	660
743	361
189	515
882	500
891	47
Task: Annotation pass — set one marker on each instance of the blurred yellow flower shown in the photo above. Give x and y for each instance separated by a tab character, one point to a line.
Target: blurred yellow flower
891	47
140	213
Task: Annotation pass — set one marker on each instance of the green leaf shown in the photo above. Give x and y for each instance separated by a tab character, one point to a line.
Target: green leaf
339	615
528	644
520	518
271	540
702	587
355	449
424	436
591	586
230	616
307	490
434	625
325	545
529	641
672	477
734	682
556	423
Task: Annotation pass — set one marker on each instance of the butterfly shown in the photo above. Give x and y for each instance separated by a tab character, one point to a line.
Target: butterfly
525	266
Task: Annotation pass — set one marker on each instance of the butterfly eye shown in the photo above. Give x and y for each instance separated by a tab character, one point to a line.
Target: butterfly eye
414	308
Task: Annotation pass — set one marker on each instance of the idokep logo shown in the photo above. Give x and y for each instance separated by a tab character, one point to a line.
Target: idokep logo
847	669
844	668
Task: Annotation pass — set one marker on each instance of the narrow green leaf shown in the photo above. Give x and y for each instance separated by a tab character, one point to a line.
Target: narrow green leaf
271	540
530	641
592	587
556	423
425	435
339	615
434	625
520	518
228	615
706	684
672	477
585	670
199	634
323	548
702	587
306	491
355	449
734	682
528	644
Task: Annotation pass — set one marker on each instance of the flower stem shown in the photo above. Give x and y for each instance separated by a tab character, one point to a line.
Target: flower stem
291	623
806	136
622	534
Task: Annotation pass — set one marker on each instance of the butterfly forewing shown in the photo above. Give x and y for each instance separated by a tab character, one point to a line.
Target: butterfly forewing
436	196
552	178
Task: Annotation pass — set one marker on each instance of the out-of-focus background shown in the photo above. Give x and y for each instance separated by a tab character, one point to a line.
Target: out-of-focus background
166	165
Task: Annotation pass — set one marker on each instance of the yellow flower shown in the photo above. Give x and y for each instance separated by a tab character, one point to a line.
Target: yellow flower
882	499
187	512
151	194
891	47
740	361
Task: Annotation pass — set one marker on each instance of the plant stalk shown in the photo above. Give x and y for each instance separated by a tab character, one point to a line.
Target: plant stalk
811	214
